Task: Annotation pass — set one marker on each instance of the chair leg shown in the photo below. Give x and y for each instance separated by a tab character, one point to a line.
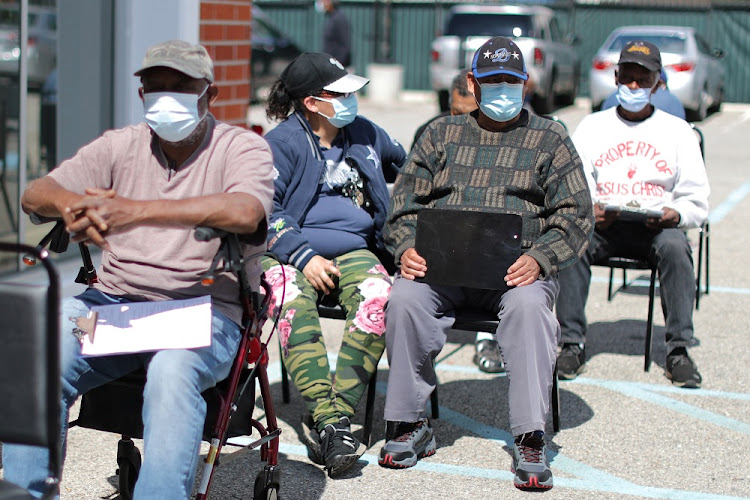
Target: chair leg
707	236
650	321
555	402
434	403
611	279
698	292
369	409
284	382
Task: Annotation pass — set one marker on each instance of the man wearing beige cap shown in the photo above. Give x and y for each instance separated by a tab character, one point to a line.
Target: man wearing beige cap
137	193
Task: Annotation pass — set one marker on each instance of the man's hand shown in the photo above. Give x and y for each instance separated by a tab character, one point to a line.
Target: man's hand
670	218
412	264
318	271
604	219
100	211
524	271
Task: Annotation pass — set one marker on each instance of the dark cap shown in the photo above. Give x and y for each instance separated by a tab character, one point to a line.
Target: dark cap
314	71
499	55
193	60
644	53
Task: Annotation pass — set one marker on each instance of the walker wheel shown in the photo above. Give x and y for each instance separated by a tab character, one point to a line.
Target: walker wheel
267	484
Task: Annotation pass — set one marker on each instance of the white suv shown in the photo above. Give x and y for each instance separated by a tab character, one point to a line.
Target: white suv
552	62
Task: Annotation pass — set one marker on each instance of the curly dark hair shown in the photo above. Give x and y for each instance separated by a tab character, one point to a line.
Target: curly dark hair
280	103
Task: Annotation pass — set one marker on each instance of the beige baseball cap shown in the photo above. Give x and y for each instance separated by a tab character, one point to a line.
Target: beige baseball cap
193	60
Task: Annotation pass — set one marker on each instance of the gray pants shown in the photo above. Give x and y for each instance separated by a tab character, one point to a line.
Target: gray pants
667	248
418	317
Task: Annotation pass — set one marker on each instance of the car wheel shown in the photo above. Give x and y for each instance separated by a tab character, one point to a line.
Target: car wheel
544	105
570	98
698	115
443	100
716	106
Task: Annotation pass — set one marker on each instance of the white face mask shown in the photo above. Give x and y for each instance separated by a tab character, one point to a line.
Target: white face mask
173	116
345	109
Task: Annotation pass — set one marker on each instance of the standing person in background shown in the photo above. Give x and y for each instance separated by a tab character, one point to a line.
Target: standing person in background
329	210
337	34
488	357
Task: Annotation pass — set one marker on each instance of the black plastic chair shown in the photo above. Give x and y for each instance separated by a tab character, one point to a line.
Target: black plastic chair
30	390
474	320
331	311
625	263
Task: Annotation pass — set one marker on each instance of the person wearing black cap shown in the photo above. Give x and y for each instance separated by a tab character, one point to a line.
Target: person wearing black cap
636	155
498	158
138	193
326	228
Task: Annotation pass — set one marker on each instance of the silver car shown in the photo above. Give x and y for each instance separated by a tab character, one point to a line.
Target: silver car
42	42
694	70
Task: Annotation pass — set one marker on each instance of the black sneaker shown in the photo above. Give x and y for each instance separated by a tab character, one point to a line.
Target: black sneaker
530	465
681	370
488	357
340	449
571	361
406	442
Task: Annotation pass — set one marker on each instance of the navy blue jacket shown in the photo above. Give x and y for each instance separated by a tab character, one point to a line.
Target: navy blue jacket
298	168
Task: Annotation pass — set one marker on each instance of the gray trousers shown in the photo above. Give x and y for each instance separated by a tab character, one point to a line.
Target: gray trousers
667	248
418	317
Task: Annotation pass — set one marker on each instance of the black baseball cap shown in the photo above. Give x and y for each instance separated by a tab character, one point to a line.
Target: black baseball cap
314	71
499	55
644	53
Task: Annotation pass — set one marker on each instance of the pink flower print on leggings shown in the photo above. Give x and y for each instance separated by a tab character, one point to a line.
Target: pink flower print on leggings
285	328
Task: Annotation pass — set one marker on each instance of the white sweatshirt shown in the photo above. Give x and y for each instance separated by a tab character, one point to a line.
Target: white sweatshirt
655	163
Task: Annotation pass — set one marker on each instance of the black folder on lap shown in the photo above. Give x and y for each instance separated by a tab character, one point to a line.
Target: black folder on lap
468	249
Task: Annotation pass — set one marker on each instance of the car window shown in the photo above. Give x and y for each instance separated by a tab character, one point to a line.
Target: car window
9	17
674	43
554	30
480	24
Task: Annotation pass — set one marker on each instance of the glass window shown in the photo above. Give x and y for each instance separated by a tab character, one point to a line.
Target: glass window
510	25
40	113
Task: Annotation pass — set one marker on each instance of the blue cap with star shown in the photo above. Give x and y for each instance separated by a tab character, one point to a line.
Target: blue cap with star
499	55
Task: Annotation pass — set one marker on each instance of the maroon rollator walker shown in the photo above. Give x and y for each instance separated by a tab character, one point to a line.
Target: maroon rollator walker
116	406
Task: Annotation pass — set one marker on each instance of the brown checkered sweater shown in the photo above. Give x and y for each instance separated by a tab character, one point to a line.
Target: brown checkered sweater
531	169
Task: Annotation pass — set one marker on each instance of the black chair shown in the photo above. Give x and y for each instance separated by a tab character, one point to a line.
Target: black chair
704	236
625	263
30	390
334	311
474	320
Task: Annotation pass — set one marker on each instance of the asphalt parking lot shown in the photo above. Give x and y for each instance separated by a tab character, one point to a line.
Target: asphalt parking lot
626	433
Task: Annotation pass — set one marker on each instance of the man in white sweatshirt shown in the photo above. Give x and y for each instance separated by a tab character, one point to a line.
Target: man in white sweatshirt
639	158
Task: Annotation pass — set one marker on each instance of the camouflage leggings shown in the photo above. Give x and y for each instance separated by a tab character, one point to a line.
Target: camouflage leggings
362	292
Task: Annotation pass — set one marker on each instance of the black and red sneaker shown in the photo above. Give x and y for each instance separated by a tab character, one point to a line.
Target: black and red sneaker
406	442
530	464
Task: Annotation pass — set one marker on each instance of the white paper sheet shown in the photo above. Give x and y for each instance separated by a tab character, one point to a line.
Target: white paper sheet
149	326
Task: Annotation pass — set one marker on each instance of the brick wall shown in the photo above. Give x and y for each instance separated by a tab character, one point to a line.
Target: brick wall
225	32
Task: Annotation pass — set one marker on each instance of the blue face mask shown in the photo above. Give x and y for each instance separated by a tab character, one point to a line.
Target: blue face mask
633	100
344	110
501	101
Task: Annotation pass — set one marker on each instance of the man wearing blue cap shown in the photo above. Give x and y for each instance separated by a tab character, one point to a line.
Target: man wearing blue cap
498	158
